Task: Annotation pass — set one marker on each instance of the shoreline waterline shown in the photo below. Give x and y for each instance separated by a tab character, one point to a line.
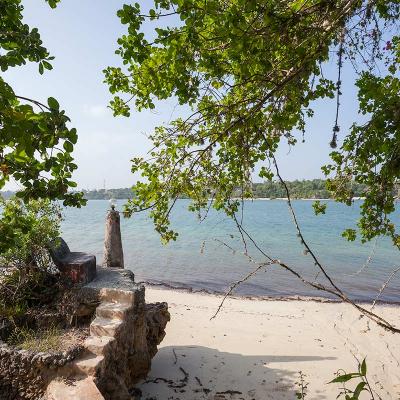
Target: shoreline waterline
281	298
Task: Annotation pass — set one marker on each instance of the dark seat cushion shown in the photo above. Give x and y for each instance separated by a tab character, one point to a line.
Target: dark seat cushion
75	258
79	267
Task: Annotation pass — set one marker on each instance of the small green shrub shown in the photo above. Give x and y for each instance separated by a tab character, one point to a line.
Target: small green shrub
302	385
26	287
26	229
28	278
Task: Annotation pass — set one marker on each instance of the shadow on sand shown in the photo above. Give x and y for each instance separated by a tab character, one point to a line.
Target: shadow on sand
202	373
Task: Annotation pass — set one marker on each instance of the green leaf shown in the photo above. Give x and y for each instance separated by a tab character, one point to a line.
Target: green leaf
73	136
363	368
360	387
344	378
47	65
68	147
53	103
53	3
21	156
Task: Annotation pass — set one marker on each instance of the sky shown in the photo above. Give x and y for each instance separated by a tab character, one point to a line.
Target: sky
82	35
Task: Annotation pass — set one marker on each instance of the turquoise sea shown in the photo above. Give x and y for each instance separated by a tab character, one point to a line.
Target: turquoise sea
201	260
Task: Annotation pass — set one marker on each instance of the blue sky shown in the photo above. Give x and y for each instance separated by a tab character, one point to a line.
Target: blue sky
82	36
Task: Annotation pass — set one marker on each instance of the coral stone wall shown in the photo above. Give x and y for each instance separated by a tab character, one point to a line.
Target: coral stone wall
26	374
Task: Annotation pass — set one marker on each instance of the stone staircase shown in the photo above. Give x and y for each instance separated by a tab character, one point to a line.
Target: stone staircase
124	336
78	378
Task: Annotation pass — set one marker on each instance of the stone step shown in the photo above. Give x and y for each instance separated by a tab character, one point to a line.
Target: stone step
118	295
88	365
112	310
97	344
104	326
83	389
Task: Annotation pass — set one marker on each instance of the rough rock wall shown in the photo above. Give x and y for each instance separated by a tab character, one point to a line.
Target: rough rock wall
26	374
157	317
128	358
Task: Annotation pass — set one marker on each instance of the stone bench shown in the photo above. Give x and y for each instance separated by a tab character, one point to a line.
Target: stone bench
77	266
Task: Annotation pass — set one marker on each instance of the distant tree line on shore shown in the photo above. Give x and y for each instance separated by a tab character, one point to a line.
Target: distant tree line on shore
304	189
107	194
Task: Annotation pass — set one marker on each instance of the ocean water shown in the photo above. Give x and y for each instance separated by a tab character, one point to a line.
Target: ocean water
208	255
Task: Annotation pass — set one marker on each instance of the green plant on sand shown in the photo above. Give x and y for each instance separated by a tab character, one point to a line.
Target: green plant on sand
362	385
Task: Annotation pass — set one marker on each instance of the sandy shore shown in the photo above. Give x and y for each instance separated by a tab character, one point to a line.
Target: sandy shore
255	349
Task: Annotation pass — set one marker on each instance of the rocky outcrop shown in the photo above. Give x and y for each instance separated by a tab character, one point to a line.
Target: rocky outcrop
157	317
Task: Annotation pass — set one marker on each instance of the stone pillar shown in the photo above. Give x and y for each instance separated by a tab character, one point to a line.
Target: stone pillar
113	253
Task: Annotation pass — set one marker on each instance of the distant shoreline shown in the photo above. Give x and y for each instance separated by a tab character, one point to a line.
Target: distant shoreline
251	199
299	189
311	189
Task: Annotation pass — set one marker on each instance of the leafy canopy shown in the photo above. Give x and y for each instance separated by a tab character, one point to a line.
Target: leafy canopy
250	71
35	140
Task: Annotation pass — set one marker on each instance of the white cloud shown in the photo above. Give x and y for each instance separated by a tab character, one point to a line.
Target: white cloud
96	110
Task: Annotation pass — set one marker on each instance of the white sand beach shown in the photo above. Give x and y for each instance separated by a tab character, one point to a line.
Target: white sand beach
254	349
